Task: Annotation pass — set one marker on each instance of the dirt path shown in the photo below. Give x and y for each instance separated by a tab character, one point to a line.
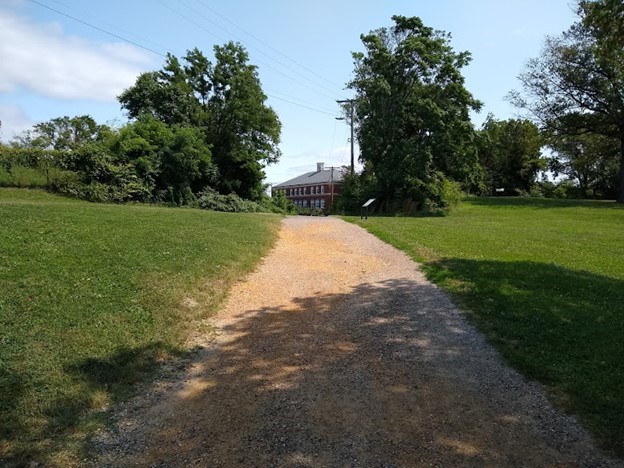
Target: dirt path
337	352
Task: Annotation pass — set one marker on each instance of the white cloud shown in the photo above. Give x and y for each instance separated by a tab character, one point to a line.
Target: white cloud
42	58
14	121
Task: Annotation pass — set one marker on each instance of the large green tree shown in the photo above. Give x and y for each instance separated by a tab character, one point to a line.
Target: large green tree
225	100
412	110
575	86
510	154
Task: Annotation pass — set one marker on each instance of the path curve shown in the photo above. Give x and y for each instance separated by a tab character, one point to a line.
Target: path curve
337	352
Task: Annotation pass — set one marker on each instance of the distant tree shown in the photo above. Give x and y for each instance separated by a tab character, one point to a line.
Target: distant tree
575	86
412	111
279	201
510	154
61	133
590	160
225	101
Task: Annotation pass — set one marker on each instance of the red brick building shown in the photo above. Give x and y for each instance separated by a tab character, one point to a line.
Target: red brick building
314	189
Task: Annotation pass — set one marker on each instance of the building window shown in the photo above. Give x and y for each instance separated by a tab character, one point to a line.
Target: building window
322	189
323	203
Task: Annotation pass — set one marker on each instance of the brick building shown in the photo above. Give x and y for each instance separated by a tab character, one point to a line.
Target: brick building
314	189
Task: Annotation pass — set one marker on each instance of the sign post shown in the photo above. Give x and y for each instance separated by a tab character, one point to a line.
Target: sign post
365	207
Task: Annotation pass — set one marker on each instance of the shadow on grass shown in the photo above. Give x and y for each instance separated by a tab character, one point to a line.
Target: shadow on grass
385	375
12	387
112	379
564	328
505	202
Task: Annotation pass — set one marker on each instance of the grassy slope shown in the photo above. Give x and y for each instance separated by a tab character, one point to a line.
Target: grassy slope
544	280
93	296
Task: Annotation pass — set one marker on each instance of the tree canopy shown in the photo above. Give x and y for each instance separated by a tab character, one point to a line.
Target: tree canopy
61	133
574	87
412	111
510	154
225	100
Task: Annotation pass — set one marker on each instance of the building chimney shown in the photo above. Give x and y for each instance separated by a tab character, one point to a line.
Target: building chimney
320	166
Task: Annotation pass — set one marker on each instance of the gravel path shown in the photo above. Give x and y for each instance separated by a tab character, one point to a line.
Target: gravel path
337	352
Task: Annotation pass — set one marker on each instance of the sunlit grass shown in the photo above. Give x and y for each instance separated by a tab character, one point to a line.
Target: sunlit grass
93	297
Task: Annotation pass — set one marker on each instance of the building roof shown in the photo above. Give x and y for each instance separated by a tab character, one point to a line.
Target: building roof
317	177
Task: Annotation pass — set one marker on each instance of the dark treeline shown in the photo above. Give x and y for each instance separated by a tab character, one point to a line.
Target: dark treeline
420	150
200	133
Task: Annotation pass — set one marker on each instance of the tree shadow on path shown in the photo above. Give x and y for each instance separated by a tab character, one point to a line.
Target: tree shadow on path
389	374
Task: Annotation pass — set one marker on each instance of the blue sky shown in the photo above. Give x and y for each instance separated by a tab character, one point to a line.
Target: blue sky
51	65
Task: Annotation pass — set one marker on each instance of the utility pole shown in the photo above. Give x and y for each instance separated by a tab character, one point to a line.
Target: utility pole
351	106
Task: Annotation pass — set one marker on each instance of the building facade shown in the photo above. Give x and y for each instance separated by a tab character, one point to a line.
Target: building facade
316	189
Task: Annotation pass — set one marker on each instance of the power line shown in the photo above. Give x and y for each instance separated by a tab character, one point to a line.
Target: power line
306	77
202	27
98	28
192	21
290	101
302	101
144	39
267	44
300	105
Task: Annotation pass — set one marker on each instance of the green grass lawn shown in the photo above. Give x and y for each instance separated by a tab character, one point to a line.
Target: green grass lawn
544	280
93	297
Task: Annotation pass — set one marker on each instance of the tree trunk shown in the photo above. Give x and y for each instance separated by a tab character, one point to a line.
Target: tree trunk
620	198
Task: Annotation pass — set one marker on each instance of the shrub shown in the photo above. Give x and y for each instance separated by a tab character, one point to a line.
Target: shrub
310	211
23	177
278	203
5	177
210	199
451	193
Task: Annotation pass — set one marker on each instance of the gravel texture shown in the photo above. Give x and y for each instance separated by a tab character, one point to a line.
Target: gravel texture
337	352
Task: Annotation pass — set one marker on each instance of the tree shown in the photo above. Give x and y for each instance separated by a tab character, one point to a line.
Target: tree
61	133
575	87
174	163
510	154
590	160
243	130
412	110
225	101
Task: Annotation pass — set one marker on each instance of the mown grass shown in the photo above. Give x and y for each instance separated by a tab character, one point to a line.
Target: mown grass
93	297
544	280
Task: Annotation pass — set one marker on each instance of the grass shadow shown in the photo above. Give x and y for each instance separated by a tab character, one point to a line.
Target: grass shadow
119	373
101	381
12	388
564	328
387	374
542	203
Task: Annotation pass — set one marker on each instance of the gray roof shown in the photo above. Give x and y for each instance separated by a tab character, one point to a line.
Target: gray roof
317	177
